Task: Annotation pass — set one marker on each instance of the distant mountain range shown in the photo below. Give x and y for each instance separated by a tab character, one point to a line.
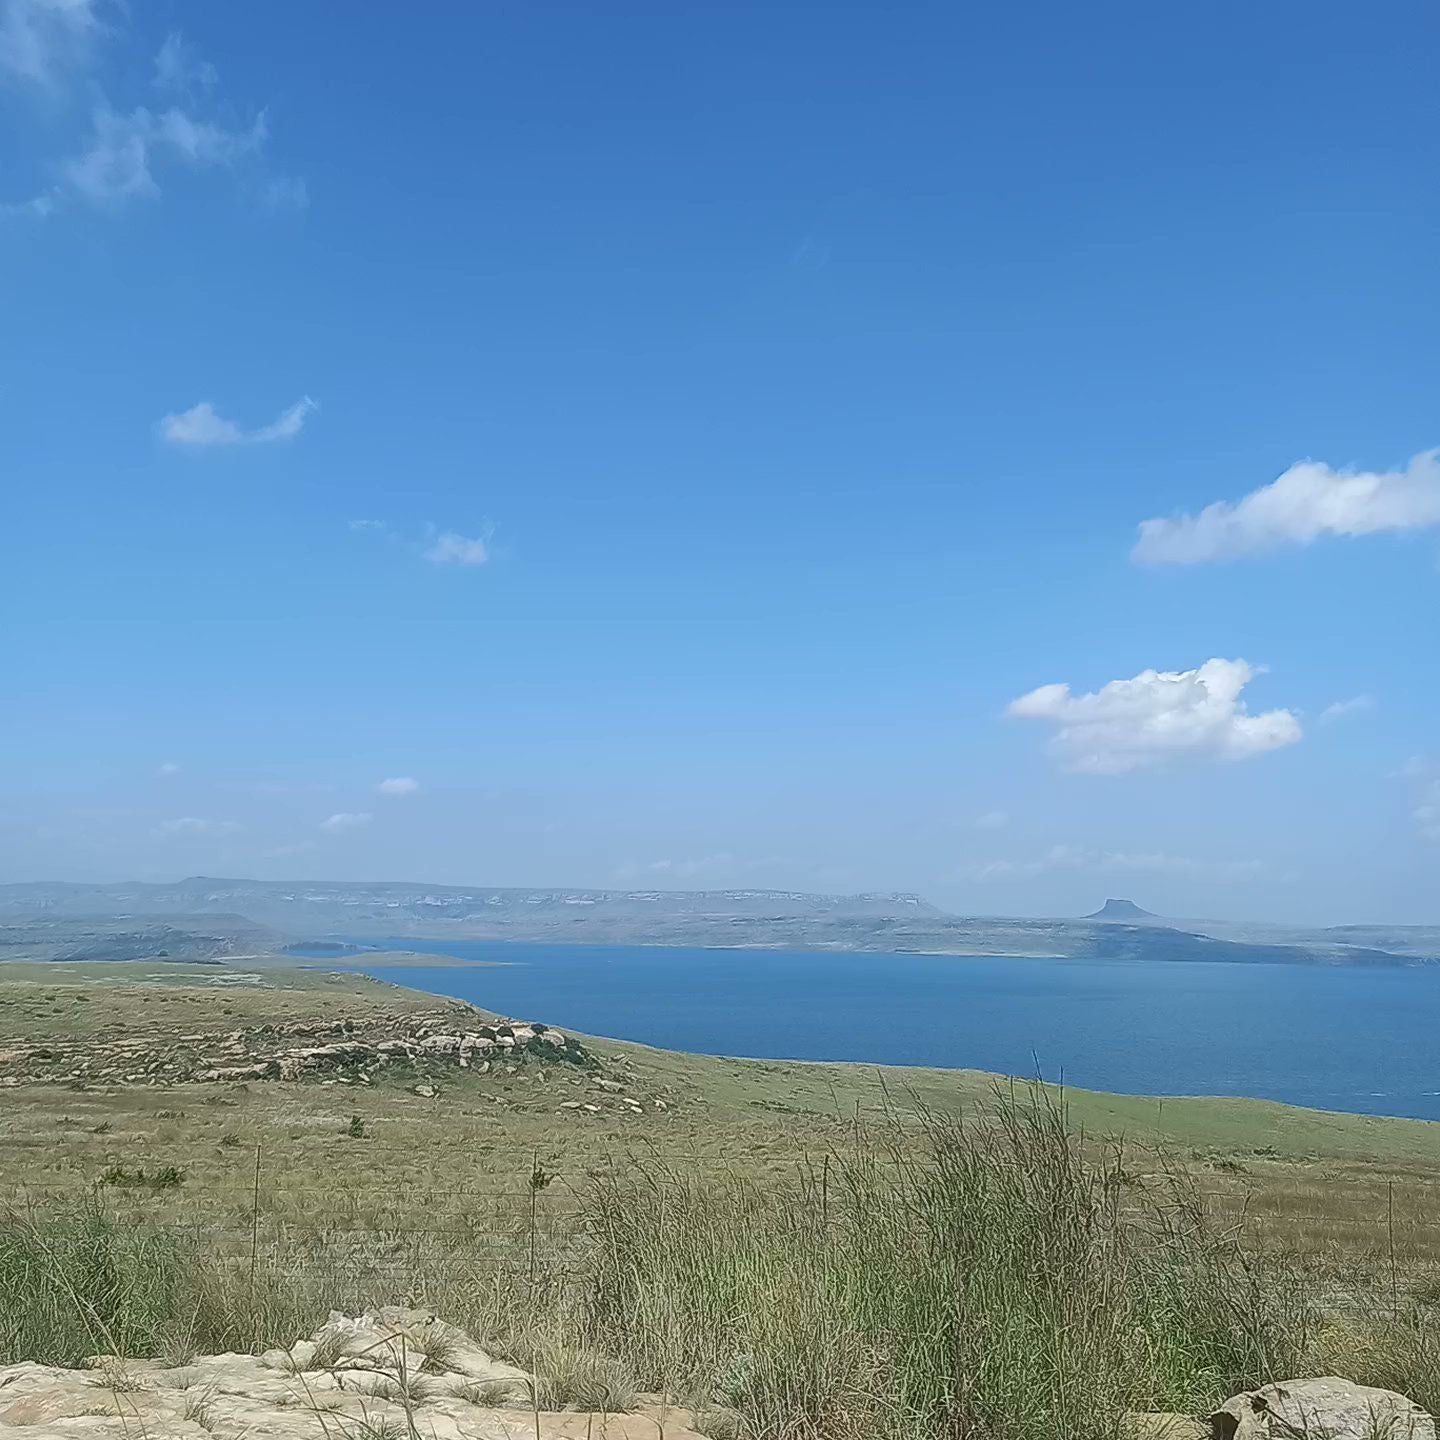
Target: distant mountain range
205	917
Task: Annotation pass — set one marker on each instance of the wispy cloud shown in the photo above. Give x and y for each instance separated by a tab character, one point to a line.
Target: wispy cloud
125	150
180	70
992	820
203	425
452	549
439	547
398	785
167	769
1309	501
1157	716
1069	857
343	821
708	867
194	827
1339	709
41	41
1422	775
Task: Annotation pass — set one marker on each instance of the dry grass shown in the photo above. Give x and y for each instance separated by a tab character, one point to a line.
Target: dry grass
430	1201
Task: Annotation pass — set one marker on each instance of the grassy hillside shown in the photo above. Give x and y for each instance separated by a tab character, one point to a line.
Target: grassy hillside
762	1201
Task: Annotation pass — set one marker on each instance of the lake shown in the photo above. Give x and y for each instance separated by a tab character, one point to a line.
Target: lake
1338	1038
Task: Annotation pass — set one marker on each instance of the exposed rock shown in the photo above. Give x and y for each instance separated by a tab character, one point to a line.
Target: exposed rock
389	1371
1332	1407
344	1051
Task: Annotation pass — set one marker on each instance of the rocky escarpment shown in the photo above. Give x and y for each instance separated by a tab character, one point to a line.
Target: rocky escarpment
386	1373
349	1050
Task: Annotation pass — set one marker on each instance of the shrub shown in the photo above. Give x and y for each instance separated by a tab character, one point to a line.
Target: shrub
998	1281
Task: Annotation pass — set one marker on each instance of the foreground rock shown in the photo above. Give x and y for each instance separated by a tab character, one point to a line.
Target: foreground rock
1330	1407
387	1373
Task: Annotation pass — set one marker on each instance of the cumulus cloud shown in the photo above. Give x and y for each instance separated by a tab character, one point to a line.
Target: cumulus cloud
203	425
41	40
398	785
453	549
1157	716
1339	709
1309	501
343	821
1089	858
197	828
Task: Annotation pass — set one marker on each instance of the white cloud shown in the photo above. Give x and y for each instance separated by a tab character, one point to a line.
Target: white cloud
1088	858
119	159
194	826
1156	716
1309	501
203	425
992	820
179	69
398	785
41	40
453	549
167	769
1423	776
1339	709
339	823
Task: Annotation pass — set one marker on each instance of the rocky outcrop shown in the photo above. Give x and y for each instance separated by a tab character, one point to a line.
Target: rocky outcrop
388	1372
1331	1407
347	1050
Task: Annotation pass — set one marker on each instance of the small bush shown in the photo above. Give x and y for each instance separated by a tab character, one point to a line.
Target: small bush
356	1128
162	1177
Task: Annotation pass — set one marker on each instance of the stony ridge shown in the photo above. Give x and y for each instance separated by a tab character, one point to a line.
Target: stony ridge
347	1050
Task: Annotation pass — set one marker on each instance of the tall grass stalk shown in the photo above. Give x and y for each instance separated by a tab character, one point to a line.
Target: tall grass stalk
997	1281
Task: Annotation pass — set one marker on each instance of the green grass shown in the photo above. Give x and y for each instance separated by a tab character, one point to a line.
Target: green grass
994	1277
804	1251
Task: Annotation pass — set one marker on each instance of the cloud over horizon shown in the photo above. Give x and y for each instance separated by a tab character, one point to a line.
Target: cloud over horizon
344	820
195	828
1309	501
1089	858
1157	716
203	425
398	785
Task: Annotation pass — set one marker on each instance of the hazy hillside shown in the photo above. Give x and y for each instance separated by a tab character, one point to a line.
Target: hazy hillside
133	937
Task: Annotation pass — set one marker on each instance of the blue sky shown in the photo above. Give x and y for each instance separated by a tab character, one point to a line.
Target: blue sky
694	443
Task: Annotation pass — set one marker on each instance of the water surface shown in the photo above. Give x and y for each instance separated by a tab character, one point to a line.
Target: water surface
1335	1037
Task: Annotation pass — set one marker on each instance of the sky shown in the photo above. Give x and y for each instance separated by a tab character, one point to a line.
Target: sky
987	451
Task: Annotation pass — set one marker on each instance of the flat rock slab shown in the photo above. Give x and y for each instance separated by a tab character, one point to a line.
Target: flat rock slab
388	1372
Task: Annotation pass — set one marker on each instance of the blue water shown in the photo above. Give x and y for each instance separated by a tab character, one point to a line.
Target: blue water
1339	1038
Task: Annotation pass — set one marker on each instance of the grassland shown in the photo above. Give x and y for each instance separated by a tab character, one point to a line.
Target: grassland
471	1199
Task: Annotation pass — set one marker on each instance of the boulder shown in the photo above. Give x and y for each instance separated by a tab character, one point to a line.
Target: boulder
1332	1407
